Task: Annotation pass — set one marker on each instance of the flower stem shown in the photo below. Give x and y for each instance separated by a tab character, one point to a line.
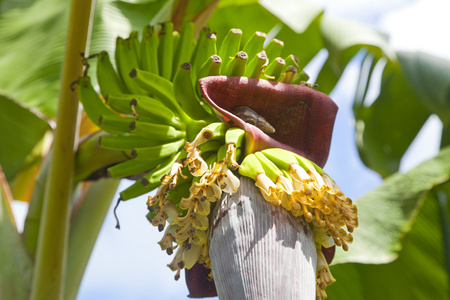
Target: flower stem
49	272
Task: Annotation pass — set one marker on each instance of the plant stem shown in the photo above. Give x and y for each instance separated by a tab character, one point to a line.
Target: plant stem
33	219
49	272
86	223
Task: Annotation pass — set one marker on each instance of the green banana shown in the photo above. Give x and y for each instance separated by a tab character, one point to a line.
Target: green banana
211	159
144	106
107	78
149	50
156	131
304	162
222	153
137	189
166	50
239	152
299	77
290	69
206	47
133	167
251	167
184	48
254	44
181	190
119	102
274	48
230	46
211	67
235	135
271	170
217	131
257	169
273	70
234	138
291	60
176	40
115	123
127	60
186	96
126	142
282	158
92	104
236	66
133	38
159	88
255	66
162	150
151	180
211	145
213	131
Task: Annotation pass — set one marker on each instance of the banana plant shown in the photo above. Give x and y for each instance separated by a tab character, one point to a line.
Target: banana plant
122	114
188	129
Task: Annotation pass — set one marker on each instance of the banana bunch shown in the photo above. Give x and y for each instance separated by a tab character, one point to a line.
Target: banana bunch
304	189
151	106
187	193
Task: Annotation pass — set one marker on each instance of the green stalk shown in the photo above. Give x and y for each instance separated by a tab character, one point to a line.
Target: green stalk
86	223
33	219
49	272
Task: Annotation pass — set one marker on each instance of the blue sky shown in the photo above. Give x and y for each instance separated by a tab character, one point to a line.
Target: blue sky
128	263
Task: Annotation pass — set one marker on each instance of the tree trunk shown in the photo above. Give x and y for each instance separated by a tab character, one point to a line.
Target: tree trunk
259	251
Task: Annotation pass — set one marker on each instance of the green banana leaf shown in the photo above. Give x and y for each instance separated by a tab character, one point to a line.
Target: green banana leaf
33	46
418	273
386	128
399	251
429	76
21	130
15	265
411	90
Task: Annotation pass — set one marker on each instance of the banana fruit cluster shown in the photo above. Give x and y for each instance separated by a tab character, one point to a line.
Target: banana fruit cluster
202	181
151	107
